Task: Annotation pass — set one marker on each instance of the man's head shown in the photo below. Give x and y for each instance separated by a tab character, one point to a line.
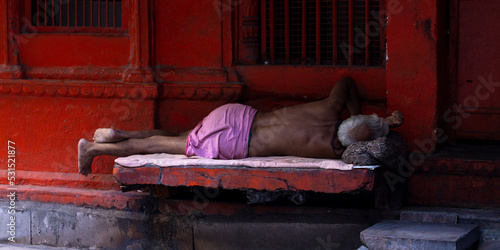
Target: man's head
362	128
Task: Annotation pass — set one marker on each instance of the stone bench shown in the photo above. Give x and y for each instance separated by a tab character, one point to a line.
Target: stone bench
266	179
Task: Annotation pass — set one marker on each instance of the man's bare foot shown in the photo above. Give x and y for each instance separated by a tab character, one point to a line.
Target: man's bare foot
103	135
84	157
395	120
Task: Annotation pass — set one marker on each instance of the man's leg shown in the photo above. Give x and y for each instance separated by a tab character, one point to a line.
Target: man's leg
103	135
154	144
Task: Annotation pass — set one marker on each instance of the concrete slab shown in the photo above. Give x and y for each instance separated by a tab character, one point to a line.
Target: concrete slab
59	225
14	225
81	228
419	235
14	246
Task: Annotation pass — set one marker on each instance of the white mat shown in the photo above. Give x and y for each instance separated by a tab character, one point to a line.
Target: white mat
169	160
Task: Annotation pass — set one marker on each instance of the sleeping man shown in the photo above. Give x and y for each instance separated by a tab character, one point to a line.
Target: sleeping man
235	131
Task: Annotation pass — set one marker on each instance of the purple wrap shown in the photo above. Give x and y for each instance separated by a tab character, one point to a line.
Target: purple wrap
223	134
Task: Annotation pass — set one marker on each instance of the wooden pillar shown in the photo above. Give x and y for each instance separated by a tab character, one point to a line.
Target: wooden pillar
4	46
249	21
412	77
9	46
141	43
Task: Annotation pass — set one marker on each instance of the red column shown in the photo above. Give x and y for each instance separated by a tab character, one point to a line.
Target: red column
140	61
412	69
9	47
4	47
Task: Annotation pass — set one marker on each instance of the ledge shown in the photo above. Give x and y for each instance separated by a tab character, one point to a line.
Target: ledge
57	179
459	167
108	199
83	73
119	90
271	179
202	91
461	160
198	75
78	89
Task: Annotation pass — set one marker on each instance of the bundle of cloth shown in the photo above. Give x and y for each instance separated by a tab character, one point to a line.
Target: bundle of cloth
388	151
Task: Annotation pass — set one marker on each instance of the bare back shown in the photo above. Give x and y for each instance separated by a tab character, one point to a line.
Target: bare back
303	130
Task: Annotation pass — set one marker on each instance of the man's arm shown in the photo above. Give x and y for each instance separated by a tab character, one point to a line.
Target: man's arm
343	94
395	120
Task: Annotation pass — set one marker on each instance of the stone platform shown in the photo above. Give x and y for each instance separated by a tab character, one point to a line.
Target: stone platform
395	234
269	179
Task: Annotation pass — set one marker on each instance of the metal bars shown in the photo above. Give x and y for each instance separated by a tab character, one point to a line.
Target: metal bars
77	13
322	32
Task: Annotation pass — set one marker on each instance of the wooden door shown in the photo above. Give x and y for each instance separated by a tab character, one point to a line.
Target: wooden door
478	70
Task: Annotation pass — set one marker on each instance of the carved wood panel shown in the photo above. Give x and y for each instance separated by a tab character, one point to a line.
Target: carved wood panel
248	22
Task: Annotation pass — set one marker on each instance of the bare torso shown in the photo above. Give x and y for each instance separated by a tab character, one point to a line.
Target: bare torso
303	130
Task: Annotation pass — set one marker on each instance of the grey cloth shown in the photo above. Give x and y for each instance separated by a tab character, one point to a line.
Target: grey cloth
257	196
388	151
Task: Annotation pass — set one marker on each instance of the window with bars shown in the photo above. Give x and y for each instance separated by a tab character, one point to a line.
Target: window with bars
320	32
74	15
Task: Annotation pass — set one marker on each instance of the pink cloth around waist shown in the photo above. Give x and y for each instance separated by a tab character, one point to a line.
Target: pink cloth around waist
223	134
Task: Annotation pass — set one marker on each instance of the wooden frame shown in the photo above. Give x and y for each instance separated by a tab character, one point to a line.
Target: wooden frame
453	66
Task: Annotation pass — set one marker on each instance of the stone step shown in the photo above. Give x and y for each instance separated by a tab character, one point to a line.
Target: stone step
395	234
15	246
426	216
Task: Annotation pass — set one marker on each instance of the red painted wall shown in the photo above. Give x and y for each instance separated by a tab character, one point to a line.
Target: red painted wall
412	68
62	50
188	34
171	67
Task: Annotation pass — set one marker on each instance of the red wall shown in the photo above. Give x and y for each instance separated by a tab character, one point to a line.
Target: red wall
62	50
172	66
188	34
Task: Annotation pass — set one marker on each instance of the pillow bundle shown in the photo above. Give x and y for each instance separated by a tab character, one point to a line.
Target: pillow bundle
388	151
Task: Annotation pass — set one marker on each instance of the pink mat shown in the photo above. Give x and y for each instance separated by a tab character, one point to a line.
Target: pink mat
169	160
